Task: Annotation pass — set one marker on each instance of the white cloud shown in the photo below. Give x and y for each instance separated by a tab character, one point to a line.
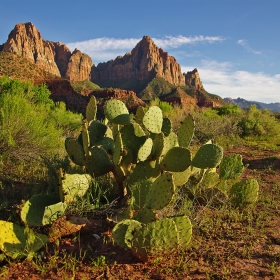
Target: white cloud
247	47
176	42
222	79
104	49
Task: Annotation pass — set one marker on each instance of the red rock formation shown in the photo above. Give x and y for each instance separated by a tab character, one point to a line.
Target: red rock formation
145	62
192	79
26	41
79	67
127	96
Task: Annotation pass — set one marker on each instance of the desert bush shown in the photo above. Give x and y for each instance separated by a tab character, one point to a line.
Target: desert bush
259	123
228	110
211	125
31	126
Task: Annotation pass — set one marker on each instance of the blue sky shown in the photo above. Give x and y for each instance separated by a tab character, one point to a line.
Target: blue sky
234	44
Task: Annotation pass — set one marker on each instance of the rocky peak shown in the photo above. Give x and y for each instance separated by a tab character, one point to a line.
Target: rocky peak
26	41
79	67
192	79
145	62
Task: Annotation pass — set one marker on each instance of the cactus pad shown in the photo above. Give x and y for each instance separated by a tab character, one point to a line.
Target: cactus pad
180	178
145	215
169	142
208	156
177	159
96	131
139	192
153	119
231	167
245	192
42	210
75	151
123	232
117	156
186	132
159	237
99	162
116	112
166	126
91	109
140	112
145	150
142	171
158	144
138	131
161	192
16	240
74	186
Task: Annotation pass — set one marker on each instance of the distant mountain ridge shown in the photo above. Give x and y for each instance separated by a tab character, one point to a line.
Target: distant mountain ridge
242	103
147	70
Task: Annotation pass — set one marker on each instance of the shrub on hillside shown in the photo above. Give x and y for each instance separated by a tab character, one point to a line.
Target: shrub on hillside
211	125
257	122
31	125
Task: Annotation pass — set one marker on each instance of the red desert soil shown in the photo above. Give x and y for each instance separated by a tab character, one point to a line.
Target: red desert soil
245	248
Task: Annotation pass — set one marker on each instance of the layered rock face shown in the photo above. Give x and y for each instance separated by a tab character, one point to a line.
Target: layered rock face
26	41
145	62
192	79
79	67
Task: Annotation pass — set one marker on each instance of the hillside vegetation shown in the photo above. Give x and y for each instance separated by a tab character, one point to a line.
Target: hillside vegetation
14	66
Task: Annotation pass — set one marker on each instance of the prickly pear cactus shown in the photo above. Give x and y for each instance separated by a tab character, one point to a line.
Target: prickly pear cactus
17	241
99	162
123	232
75	151
244	193
116	112
177	159
186	132
42	210
153	119
161	192
145	150
231	167
208	156
166	126
161	236
73	186
91	109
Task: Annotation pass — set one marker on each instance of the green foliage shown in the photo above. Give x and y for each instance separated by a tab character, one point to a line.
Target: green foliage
257	122
84	86
210	125
31	125
228	110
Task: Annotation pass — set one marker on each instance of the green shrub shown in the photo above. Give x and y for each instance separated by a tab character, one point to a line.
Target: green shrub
166	108
31	126
228	110
257	122
211	125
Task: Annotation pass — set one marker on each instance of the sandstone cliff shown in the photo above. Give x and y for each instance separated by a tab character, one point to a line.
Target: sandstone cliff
192	79
26	41
145	62
79	67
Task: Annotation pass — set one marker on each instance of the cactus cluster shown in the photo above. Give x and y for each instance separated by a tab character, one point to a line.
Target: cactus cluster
150	163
